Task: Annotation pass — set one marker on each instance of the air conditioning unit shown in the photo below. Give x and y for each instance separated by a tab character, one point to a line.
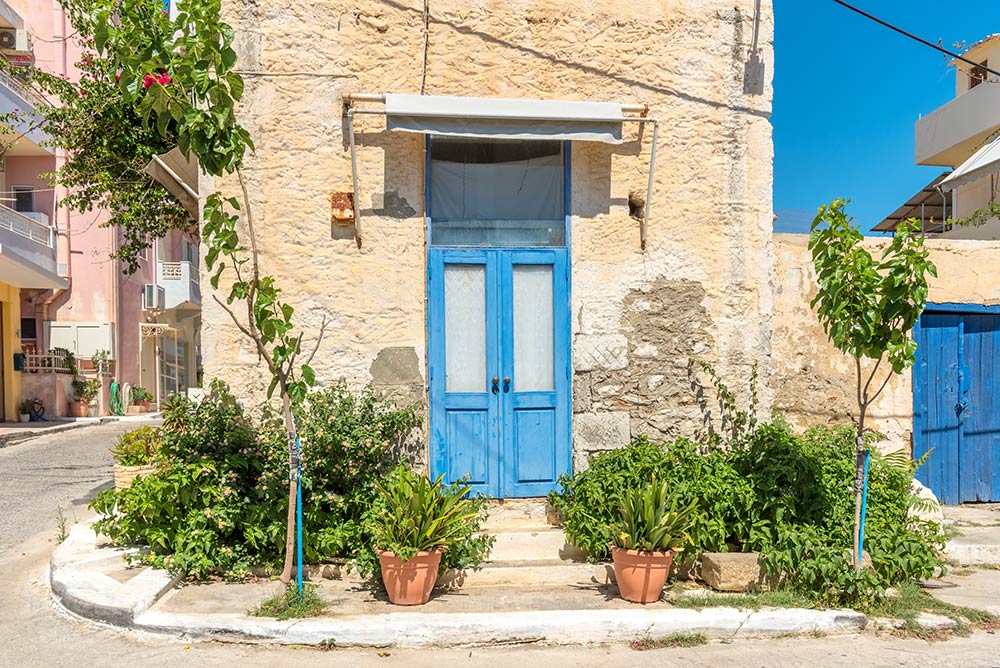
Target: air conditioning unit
16	40
153	297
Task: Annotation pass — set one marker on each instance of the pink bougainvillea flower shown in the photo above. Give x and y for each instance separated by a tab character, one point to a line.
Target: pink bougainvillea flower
164	79
148	80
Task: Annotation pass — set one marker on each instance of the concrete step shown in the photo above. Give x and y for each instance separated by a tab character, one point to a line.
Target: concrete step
533	543
519	513
554	572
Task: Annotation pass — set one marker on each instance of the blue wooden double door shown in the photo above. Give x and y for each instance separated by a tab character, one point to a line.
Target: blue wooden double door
499	339
956	390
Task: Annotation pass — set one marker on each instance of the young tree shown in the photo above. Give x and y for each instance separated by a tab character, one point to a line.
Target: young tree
179	76
868	307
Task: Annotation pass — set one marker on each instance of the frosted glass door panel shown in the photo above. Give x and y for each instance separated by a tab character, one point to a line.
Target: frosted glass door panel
465	327
533	329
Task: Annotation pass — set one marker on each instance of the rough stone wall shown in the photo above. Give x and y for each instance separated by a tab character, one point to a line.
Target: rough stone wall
703	285
813	381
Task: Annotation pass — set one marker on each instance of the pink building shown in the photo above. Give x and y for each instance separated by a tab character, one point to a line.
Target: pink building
78	298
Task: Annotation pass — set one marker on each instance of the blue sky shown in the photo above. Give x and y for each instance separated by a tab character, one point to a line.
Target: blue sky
847	92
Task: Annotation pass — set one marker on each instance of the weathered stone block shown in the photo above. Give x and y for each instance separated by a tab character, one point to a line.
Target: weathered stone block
581	392
936	622
731	571
600	351
600	431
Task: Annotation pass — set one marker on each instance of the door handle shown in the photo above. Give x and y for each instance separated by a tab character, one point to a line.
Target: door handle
496	385
960	407
506	384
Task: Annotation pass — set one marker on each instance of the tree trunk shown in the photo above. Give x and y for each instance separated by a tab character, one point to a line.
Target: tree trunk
860	452
286	571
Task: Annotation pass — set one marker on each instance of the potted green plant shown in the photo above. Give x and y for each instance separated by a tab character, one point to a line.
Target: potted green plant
652	528
135	454
85	391
414	522
24	410
139	400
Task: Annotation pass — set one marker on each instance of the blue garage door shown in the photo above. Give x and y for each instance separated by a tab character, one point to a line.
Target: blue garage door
956	408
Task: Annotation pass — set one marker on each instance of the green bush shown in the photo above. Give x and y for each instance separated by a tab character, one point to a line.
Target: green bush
590	501
138	447
412	513
784	494
219	502
349	441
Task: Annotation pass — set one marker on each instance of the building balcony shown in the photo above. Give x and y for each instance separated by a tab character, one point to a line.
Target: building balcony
180	284
28	250
14	96
950	134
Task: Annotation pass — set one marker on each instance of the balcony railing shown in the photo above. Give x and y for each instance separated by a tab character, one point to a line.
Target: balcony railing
22	91
27	227
180	283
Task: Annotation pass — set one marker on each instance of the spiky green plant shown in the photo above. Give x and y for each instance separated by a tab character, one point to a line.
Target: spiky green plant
418	514
651	520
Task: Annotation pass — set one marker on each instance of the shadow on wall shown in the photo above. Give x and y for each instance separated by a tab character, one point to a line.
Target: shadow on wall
746	56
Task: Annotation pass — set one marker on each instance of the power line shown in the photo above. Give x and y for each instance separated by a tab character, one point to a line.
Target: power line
923	41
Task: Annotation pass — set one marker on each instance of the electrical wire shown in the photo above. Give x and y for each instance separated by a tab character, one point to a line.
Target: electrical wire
936	47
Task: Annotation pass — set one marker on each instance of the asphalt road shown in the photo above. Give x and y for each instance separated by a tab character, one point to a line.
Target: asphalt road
67	470
40	476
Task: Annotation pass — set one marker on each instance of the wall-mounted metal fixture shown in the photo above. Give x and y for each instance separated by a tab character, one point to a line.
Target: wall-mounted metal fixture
342	207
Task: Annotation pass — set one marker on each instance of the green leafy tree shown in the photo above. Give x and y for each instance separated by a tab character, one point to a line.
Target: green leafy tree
179	76
107	147
868	307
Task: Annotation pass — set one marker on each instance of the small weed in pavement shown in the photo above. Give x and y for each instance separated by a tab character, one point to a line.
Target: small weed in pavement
61	525
912	600
286	604
672	640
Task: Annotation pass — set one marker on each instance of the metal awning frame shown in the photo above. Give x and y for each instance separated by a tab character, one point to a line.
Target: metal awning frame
642	118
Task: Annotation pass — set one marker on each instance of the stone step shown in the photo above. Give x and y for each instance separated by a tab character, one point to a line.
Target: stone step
530	573
519	513
533	543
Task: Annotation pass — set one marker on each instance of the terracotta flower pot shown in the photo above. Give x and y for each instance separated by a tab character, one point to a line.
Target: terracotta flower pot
78	409
641	575
410	582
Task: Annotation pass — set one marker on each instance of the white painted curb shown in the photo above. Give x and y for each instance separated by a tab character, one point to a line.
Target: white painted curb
559	627
80	586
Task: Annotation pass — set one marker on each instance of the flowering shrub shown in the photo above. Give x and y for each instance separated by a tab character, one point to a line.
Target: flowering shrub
349	441
218	504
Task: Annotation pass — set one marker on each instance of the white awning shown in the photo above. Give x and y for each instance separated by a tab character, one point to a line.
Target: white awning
179	175
983	162
23	273
505	118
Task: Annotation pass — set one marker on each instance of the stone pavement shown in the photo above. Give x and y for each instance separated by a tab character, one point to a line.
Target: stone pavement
978	541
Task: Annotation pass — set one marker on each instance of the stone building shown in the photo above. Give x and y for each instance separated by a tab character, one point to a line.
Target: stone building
517	260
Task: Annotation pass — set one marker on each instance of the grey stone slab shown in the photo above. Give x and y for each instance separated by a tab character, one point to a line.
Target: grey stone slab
600	351
601	431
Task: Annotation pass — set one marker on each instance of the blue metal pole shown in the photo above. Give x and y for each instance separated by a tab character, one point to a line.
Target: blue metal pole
864	509
298	513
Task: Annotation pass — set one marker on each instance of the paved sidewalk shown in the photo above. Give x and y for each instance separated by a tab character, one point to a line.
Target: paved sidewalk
12	433
978	541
